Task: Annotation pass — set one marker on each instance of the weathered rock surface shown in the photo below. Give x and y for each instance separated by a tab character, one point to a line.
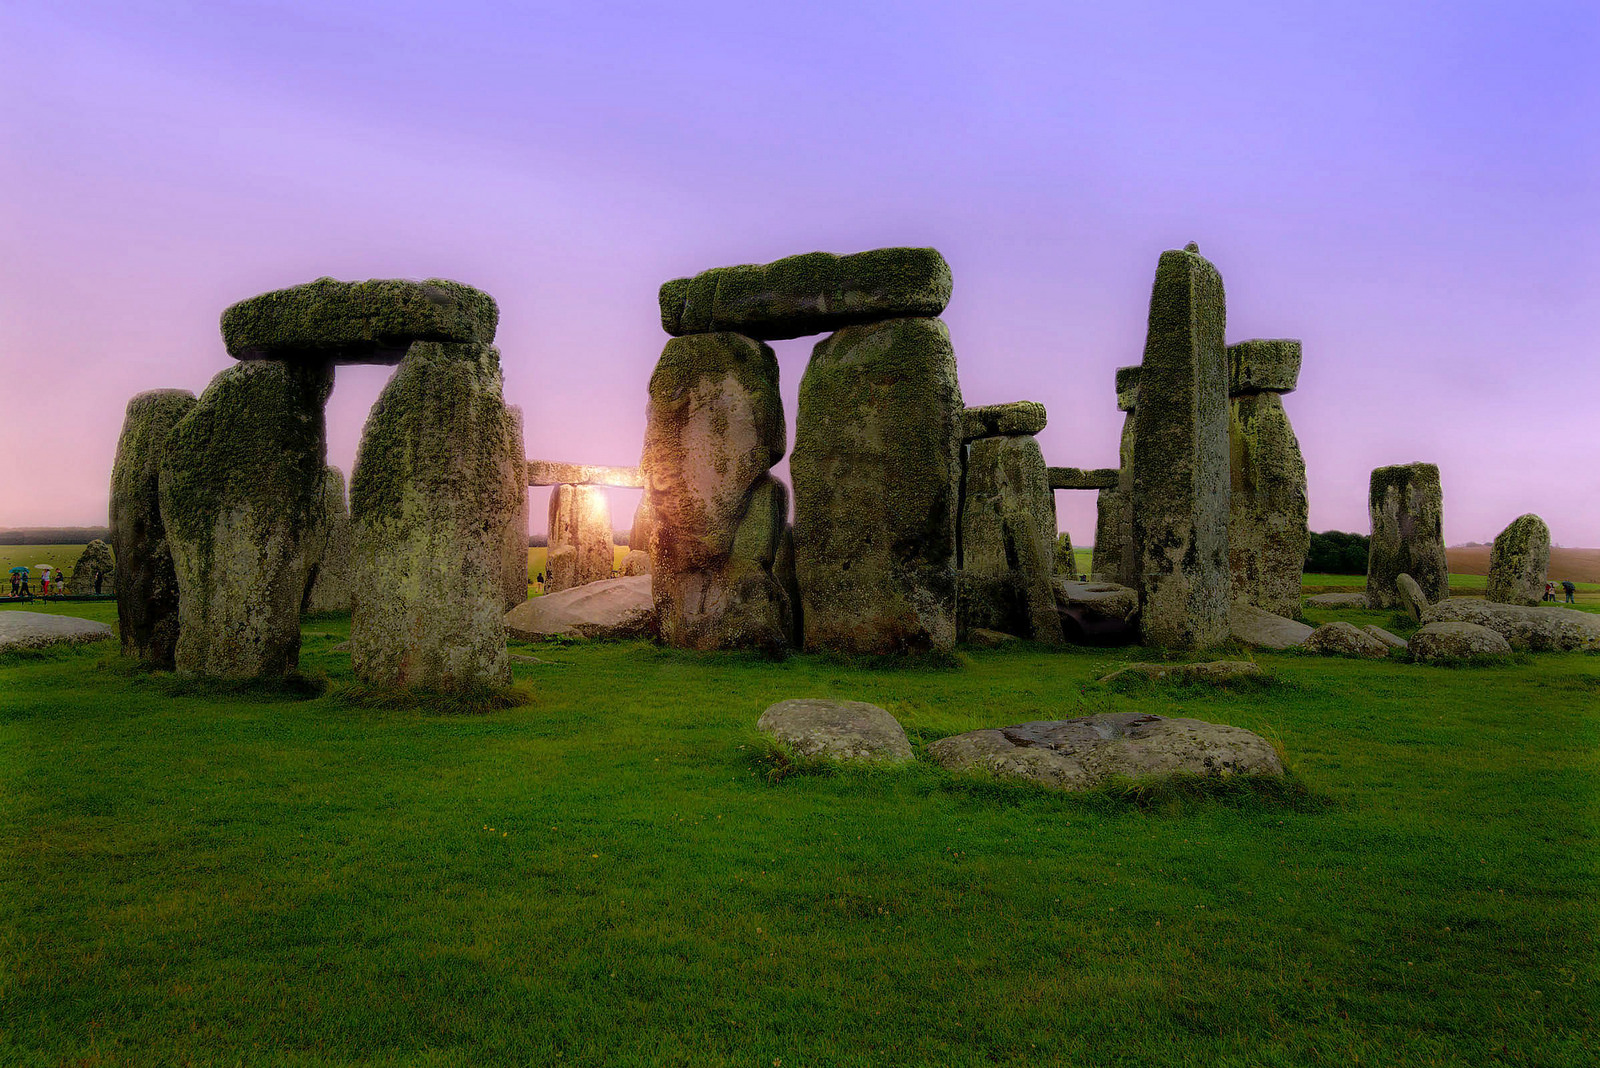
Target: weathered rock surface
1267	507
611	609
1079	478
1540	629
580	548
329	321
559	473
1409	596
997	420
1344	639
876	470
808	294
1128	387
328	545
514	544
434	488
1180	461
714	428
1065	562
241	477
1450	640
1214	671
851	731
1338	600
145	582
1105	561
1406	503
1256	626
1081	754
35	630
985	638
96	557
1115	559
1105	598
1519	562
783	569
1263	365
1008	525
1389	638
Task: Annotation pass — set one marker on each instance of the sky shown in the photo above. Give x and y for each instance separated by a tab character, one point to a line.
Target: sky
1413	189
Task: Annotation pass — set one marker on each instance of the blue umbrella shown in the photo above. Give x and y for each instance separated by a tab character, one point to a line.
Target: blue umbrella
19	571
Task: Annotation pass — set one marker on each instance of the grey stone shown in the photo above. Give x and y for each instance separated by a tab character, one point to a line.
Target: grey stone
1180	461
145	582
1263	365
328	545
985	638
1081	754
611	609
1115	558
580	548
95	558
714	428
1351	599
808	294
1409	596
1267	506
557	473
241	477
1008	524
1106	598
783	569
995	420
1078	478
1128	388
1344	639
1105	560
637	561
1406	503
1213	672
851	731
876	470
36	630
1542	628
1519	563
434	488
514	544
1256	626
1065	562
1392	640
1453	640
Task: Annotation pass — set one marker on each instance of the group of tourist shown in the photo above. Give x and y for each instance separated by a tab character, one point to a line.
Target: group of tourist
52	583
1567	587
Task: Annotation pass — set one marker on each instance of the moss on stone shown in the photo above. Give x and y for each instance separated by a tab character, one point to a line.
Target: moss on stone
1406	505
1263	365
1015	418
1127	388
1519	562
1268	533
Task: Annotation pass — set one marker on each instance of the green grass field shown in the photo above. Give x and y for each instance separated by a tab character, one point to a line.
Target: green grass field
615	874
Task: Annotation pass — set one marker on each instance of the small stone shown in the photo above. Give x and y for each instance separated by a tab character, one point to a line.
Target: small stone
985	638
36	630
1457	641
1542	628
514	536
994	420
1412	601
635	563
852	731
1392	640
1338	600
1344	639
1256	626
1406	503
608	610
95	558
1263	366
1519	563
1213	672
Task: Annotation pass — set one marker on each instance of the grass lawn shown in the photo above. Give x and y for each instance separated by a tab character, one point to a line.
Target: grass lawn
612	875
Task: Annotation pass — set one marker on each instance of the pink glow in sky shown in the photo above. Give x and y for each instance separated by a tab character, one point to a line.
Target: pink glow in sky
1413	189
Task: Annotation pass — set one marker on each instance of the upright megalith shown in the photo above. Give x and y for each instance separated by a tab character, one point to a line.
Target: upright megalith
241	477
1065	564
580	546
1180	460
1519	563
637	561
714	428
1268	533
514	537
96	559
1114	558
1007	547
1406	502
145	582
434	489
328	548
876	470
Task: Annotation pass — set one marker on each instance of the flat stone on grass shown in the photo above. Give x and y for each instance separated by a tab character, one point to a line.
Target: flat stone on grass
1457	641
1257	626
1536	628
851	731
1344	639
35	630
609	609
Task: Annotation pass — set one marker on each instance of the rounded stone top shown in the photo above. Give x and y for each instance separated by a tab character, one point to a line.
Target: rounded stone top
1128	387
1193	246
1002	420
1263	365
376	321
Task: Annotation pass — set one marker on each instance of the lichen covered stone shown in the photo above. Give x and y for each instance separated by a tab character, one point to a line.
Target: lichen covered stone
1064	563
1268	507
990	420
1263	365
96	558
514	537
1408	594
1457	640
1519	562
328	545
808	294
1344	639
329	321
1544	628
1128	388
580	547
850	731
1008	524
1406	504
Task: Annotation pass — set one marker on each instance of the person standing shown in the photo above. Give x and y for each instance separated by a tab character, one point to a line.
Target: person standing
44	584
1569	589
16	582
100	578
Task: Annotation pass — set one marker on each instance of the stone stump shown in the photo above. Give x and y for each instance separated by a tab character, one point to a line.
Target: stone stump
96	557
1406	503
714	428
1180	461
145	582
1268	533
434	489
1008	524
514	551
328	549
241	477
580	546
1519	563
876	469
1114	558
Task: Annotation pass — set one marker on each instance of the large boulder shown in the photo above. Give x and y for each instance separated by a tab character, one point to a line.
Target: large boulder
241	481
995	420
1389	638
145	581
514	536
36	630
96	559
1267	530
713	429
1457	641
1081	754
1008	525
1344	639
876	470
328	549
329	321
1256	626
851	731
1409	597
1519	563
807	294
1406	502
434	488
1542	628
610	609
580	547
1180	461
1108	599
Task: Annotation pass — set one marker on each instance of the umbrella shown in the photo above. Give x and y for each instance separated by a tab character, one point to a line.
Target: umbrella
45	567
19	571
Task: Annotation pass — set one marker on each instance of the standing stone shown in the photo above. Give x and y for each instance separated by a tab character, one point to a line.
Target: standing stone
714	428
434	488
637	562
1406	503
1268	533
581	549
240	481
96	556
1409	596
1180	461
1114	557
514	551
1008	523
328	549
1519	563
783	569
1065	562
145	582
876	469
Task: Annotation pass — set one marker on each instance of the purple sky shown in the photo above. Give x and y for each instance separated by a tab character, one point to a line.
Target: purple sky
1413	189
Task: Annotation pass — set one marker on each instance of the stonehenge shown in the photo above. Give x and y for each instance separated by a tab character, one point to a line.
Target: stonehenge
1113	533
1267	530
1519	562
1406	504
96	557
328	549
580	547
514	537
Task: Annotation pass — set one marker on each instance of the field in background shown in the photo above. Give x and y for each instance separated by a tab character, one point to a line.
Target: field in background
1579	565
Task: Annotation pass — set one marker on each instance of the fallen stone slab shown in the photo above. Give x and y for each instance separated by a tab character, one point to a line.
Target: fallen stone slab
35	630
809	294
985	638
1081	754
556	473
1392	640
1000	420
1338	600
1214	671
1257	626
851	731
329	321
1344	639
1457	641
608	610
1539	629
1106	598
1078	478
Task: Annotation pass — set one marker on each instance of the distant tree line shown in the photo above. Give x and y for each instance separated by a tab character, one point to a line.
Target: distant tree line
1333	552
542	541
53	535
